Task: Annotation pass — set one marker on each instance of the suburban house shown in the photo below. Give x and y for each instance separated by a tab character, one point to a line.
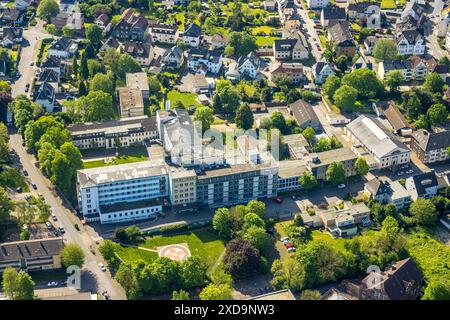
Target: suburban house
53	63
10	36
270	6
142	52
204	61
321	70
363	10
232	71
164	33
388	110
62	48
173	57
305	115
339	34
218	41
431	146
103	22
192	35
131	102
45	95
31	255
10	16
291	70
287	10
369	43
386	191
332	12
317	4
424	185
362	63
249	66
74	20
401	281
412	69
23	4
131	26
410	42
370	134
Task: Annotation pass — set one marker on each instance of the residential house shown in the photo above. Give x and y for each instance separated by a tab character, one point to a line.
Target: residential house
321	70
270	6
138	81
53	63
396	119
424	185
431	146
332	12
10	35
131	26
45	95
410	42
111	43
369	44
363	10
103	22
173	57
10	16
370	134
31	255
24	4
339	34
164	33
414	10
361	63
291	70
386	191
218	41
63	48
249	66
305	115
412	69
204	61
290	49
317	4
287	10
142	52
73	20
192	35
232	71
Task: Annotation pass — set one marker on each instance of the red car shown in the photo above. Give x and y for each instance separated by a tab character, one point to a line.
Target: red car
278	200
288	245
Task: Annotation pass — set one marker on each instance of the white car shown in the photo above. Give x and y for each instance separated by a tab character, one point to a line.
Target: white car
410	171
284	239
54	217
291	249
102	267
52	284
341	186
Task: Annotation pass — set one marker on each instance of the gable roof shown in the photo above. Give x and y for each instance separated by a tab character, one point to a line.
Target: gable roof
303	112
340	34
394	116
331	12
192	30
378	187
428	141
252	58
424	181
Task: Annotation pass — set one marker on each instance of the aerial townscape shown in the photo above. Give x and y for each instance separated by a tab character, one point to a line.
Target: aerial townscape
224	150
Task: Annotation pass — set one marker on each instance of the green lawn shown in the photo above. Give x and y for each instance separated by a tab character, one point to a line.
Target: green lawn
323	40
186	98
388	4
262	41
116	161
201	243
263	29
129	254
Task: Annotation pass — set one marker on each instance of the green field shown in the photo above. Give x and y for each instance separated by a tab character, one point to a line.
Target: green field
262	41
201	243
186	98
116	161
129	254
388	4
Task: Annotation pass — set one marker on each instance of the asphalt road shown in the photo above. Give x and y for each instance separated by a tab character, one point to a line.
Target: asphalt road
95	278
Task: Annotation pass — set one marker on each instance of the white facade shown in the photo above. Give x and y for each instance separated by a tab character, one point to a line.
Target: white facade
248	69
406	48
317	4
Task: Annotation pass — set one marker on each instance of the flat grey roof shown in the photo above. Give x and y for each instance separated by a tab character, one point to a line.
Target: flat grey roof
30	249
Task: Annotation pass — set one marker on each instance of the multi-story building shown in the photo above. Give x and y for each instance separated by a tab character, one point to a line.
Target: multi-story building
410	42
164	33
248	66
423	185
289	174
192	35
376	139
339	34
413	69
131	26
183	189
124	132
386	191
431	146
290	49
319	162
131	102
138	81
122	193
204	61
321	70
31	255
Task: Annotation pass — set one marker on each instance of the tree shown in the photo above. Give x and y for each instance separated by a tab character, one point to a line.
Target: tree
385	49
288	273
241	44
102	82
50	127
310	295
194	272
437	290
127	64
434	83
390	229
257	207
222	223
107	250
204	116
51	28
394	78
94	34
309	135
423	212
308	181
279	122
17	285
4	143
75	66
82	90
127	279
365	82
244	117
68	31
84	69
95	67
361	166
241	258
96	106
72	254
345	98
335	173
331	85
47	9
5	205
180	295
437	114
216	292
258	237
341	63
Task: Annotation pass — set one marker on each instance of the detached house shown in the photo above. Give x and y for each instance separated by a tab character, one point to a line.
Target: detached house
410	42
131	26
412	69
293	71
204	61
321	71
304	115
363	10
10	36
164	33
249	65
339	34
173	57
74	20
290	49
63	48
424	185
191	35
385	192
10	16
332	12
218	41
141	51
431	146
45	95
103	22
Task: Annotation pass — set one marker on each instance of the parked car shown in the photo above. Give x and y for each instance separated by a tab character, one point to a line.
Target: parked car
291	249
19	189
49	225
102	267
52	284
289	245
278	200
284	239
61	229
34	186
54	218
25	173
341	186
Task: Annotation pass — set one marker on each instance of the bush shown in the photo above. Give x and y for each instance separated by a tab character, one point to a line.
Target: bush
182	226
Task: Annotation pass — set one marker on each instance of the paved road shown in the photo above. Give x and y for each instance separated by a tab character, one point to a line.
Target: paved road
433	48
311	34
